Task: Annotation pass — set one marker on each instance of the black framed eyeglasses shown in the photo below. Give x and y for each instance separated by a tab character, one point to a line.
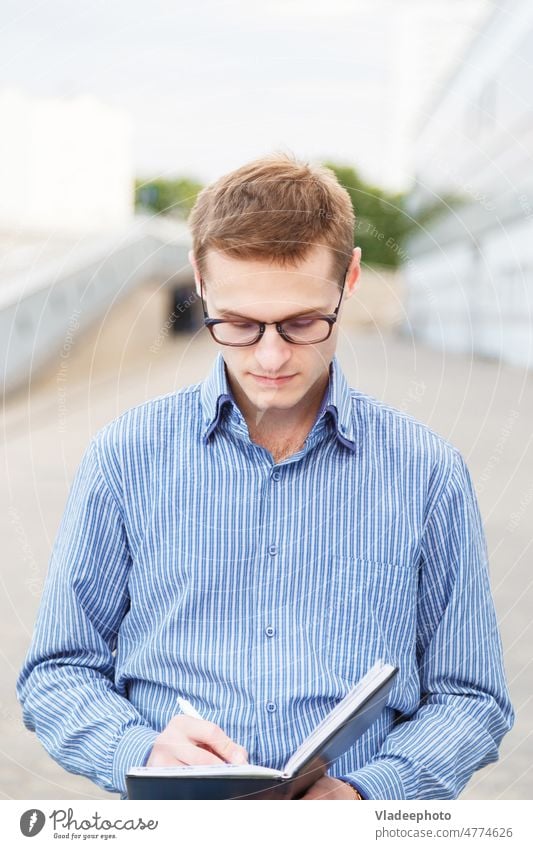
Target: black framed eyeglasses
299	330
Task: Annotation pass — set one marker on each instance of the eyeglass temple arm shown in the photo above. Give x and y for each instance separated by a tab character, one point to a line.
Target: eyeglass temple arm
336	310
202	296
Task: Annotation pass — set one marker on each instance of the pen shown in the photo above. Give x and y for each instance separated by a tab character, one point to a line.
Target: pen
188	709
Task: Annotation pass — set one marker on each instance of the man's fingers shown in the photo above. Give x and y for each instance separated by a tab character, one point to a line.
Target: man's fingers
183	754
188	741
193	755
210	734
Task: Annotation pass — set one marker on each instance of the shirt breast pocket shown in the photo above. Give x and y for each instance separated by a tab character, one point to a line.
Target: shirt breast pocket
370	614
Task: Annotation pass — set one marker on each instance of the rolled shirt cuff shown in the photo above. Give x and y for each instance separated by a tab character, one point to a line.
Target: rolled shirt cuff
133	749
378	780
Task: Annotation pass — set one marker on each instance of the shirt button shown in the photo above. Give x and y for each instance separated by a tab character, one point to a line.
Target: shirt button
276	476
272	550
271	707
270	631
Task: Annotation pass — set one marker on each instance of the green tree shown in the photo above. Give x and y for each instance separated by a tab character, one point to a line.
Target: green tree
385	220
382	221
170	197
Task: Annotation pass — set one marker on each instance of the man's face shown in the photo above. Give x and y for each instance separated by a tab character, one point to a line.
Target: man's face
274	374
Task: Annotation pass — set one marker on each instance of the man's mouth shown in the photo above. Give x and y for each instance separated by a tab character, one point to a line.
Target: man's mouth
272	381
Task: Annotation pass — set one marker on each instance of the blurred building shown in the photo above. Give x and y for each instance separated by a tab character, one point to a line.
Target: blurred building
469	271
414	44
70	244
65	165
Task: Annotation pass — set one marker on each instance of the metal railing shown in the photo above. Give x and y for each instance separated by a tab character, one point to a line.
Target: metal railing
43	306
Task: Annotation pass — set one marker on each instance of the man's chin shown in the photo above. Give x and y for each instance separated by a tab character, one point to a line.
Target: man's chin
272	399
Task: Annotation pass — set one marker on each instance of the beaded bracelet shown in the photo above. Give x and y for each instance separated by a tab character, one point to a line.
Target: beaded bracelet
356	792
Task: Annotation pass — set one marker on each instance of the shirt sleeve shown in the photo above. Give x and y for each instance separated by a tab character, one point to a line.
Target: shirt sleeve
465	708
66	684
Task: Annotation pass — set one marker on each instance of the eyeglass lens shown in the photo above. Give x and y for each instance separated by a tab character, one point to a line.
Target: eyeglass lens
303	330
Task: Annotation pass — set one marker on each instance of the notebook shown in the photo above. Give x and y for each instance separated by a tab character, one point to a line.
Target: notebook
330	739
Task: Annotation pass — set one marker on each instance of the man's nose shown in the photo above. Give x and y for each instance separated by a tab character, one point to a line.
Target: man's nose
272	351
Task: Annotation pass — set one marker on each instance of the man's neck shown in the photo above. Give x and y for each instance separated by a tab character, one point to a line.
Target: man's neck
276	425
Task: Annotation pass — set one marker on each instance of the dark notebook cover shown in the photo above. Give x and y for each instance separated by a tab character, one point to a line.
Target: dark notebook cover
332	737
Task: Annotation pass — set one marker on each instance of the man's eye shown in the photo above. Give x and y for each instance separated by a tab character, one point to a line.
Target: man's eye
299	323
243	325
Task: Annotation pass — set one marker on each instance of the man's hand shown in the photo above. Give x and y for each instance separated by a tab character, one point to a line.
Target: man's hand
187	740
329	788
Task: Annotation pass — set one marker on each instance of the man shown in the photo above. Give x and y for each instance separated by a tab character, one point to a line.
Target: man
255	542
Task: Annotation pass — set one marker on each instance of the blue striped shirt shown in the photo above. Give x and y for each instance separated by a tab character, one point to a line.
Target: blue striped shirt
188	563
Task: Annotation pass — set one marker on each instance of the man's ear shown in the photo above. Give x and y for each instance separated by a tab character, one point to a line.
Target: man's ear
352	277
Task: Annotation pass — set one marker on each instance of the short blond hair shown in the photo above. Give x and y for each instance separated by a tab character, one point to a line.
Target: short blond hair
274	208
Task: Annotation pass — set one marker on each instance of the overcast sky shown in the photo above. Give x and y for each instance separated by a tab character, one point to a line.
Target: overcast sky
212	83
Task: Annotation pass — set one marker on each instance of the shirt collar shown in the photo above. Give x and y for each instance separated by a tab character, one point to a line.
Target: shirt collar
337	402
215	393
